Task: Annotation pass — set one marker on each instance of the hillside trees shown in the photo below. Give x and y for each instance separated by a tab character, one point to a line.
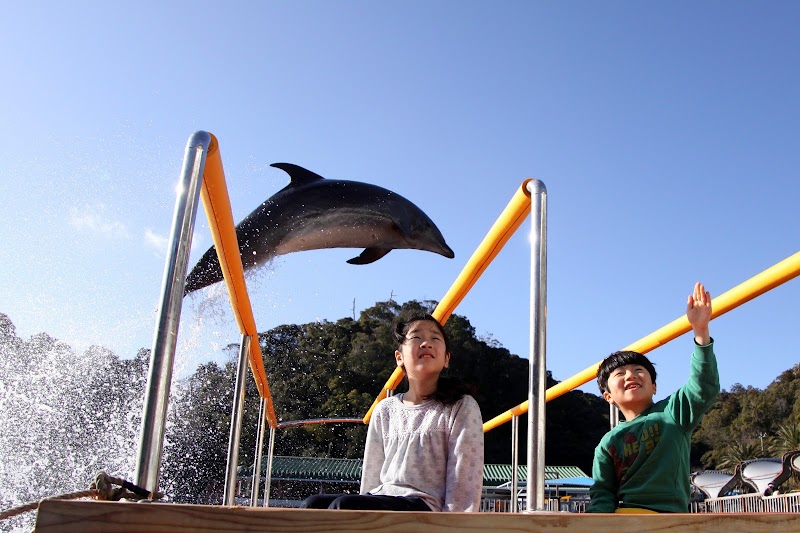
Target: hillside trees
67	415
336	369
749	421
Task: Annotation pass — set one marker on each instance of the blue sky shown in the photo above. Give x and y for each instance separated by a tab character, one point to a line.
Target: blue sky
666	134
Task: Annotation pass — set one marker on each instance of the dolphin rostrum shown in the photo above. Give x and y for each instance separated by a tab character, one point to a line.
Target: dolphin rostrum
313	213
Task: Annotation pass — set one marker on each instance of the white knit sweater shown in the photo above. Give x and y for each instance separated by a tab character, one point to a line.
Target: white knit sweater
431	451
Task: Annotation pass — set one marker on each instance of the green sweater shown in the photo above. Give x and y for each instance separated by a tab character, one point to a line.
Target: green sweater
644	462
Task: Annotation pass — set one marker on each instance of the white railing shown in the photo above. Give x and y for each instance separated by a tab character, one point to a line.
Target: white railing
503	505
752	503
495	505
743	503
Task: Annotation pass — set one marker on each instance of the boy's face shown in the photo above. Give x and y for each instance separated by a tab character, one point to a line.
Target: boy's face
631	388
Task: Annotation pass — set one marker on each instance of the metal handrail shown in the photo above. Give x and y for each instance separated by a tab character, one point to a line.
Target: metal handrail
202	176
162	357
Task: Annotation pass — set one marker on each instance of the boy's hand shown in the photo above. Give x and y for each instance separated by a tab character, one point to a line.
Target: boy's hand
698	311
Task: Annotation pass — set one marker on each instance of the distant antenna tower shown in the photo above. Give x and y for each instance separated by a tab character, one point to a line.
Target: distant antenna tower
354	308
391	296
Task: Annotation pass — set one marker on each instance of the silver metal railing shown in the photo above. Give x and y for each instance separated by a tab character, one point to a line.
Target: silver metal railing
154	415
237	413
537	385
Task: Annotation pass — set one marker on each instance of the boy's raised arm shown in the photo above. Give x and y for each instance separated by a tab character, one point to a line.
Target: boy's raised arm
698	311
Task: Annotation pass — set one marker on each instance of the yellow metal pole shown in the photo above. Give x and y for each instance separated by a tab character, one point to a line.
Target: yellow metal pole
217	205
504	227
772	277
515	213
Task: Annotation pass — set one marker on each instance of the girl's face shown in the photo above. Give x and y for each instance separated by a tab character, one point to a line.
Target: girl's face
423	351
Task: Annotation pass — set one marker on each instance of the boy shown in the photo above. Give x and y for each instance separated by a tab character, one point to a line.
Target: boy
642	465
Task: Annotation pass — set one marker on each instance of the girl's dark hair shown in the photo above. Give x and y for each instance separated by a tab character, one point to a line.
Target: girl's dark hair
449	389
618	359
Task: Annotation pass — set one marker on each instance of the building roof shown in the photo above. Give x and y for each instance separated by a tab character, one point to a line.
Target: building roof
314	468
349	470
498	474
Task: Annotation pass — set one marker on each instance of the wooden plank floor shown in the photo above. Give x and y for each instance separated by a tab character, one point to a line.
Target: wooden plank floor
86	516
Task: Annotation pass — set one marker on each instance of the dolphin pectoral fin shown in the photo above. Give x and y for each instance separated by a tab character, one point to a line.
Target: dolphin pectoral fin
369	255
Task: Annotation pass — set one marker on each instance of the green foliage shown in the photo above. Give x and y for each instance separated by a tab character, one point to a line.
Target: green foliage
748	423
195	452
737	452
327	369
335	370
786	439
323	370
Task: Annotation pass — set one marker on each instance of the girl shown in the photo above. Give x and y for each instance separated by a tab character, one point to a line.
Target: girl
424	449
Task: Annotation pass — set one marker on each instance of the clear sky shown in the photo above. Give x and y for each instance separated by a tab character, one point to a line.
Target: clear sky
667	135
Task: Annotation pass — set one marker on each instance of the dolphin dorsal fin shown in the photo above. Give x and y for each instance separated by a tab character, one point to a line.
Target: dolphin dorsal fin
298	174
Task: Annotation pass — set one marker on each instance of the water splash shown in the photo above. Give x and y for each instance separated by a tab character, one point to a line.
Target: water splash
65	417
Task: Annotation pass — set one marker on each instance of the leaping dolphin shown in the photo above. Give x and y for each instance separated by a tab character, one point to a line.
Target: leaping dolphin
313	213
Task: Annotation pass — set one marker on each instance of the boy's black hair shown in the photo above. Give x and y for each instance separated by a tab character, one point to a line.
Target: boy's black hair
618	359
449	389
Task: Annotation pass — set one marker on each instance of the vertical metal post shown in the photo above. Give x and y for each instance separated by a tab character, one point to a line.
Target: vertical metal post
262	422
613	415
162	357
236	422
514	462
537	358
268	478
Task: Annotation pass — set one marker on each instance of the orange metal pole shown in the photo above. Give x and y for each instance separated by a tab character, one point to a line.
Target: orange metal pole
515	213
504	227
217	204
770	278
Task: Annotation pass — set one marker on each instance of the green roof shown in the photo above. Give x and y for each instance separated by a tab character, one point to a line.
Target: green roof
324	469
313	468
498	474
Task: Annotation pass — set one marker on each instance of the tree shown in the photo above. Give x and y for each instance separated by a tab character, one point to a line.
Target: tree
786	439
737	452
753	417
340	367
81	412
195	449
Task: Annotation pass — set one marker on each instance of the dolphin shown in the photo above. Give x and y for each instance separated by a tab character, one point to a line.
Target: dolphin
313	213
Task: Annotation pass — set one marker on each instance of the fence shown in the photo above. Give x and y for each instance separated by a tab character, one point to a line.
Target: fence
743	503
503	505
752	503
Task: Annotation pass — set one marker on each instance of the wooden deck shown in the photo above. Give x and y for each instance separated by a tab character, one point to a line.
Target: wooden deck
87	516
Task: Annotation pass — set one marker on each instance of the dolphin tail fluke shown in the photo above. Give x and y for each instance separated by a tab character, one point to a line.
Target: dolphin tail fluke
369	255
